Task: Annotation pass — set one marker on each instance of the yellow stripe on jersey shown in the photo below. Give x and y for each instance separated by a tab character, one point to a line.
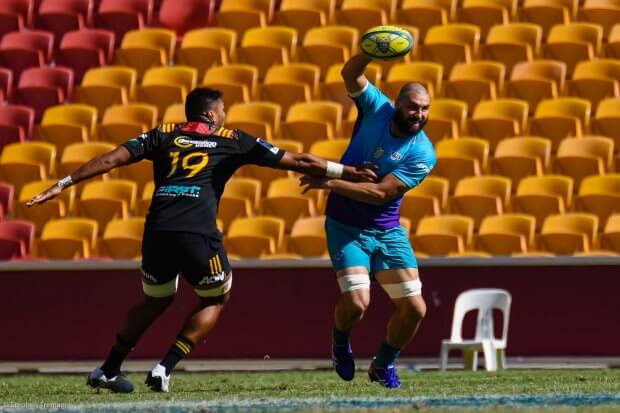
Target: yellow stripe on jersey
225	133
167	127
219	263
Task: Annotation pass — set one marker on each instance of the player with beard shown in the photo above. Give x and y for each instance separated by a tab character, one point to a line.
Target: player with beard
364	236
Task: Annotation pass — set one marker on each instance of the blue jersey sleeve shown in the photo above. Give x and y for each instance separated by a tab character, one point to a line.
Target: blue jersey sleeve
413	171
370	99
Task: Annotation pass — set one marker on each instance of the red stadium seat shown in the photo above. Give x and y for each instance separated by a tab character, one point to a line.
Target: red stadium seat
6	83
16	123
7	195
44	87
21	50
62	16
16	238
121	16
184	15
84	49
15	15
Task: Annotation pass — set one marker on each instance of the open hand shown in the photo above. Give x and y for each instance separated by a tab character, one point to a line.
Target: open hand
312	182
363	173
44	196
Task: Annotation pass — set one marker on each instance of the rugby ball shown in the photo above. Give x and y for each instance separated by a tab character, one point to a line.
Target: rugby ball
386	42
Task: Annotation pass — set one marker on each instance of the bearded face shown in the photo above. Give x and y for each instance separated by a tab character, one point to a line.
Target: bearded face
411	113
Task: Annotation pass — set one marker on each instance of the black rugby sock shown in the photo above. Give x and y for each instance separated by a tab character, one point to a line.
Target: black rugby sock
179	349
112	365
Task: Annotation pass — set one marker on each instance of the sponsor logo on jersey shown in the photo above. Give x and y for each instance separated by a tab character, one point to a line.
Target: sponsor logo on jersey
273	149
210	279
424	167
396	156
378	153
185	142
172	191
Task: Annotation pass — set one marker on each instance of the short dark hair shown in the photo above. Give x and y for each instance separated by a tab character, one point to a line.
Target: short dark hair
199	101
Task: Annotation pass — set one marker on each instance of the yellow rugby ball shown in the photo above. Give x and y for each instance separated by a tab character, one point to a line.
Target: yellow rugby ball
386	42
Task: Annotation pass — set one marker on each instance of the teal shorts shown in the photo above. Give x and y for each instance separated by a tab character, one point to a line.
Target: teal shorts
375	249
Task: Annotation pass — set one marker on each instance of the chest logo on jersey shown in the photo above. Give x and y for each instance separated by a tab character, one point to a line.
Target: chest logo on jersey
186	142
396	156
378	153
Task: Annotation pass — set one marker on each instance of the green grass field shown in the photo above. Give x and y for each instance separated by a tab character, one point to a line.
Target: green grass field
309	391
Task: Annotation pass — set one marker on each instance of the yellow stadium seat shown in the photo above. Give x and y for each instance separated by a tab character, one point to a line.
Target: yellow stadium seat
76	154
330	149
542	196
348	124
143	204
560	118
67	239
536	81
567	234
239	200
304	15
333	86
499	119
286	85
599	195
595	80
103	87
55	208
238	82
281	256
427	73
252	237
429	198
325	46
581	157
520	157
451	44
548	13
607	120
66	124
364	14
145	48
486	13
512	43
25	162
140	172
605	13
425	14
123	122
165	86
285	200
446	119
457	158
242	15
480	196
612	48
309	122
610	239
573	42
106	200
308	237
261	119
443	234
175	113
506	234
264	47
205	48
475	81
122	238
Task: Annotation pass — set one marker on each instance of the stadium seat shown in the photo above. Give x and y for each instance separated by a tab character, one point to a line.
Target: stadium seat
16	237
146	48
175	113
6	84
68	238
330	149
450	44
607	120
16	124
185	15
62	16
308	237
261	119
425	14
76	154
122	239
63	125
612	48
480	196
572	43
7	197
22	50
457	158
81	50
446	119
240	199
567	234
241	15
143	204
595	80
547	13
443	234
333	85
53	209
605	13
364	14
121	16
15	15
309	122
26	162
520	157
476	81
104	201
140	172
512	43
560	118
427	73
542	196
107	86
536	81
164	86
289	84
325	46
123	122
599	195
252	237
506	234
581	157
264	47
499	119
610	239
285	200
281	256
205	48
486	14
304	15
43	87
429	198
348	124
238	82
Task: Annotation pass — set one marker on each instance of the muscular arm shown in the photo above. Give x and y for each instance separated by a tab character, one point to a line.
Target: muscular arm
353	73
313	165
372	193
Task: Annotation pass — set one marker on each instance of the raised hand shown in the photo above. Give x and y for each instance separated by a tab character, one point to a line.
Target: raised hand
44	196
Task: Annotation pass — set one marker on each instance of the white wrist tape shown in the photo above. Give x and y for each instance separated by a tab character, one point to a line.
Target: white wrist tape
334	170
65	182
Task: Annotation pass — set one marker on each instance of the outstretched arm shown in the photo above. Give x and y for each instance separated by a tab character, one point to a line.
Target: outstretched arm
313	165
374	193
100	164
353	73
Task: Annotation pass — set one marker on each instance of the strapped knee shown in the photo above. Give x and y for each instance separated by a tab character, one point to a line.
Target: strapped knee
403	289
352	282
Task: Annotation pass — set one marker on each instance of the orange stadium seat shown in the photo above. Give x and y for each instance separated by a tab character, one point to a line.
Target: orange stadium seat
427	199
447	119
264	47
205	48
512	43
238	82
476	81
174	113
535	81
443	235
123	122
605	13
289	84
308	237
333	86
67	238
164	86
457	158
425	14
506	234
143	204
21	163
55	208
146	48
63	125
252	237
520	157
325	46
330	149
107	86
480	196
81	50
348	124
285	200
581	157
121	16
599	195
595	80
241	15
560	118
75	154
451	44
105	201
499	119
261	119
486	13
239	200
309	122
122	238
568	234
42	87
185	15
304	15
574	42
542	196
607	120
610	239
548	13
364	14
612	49
427	73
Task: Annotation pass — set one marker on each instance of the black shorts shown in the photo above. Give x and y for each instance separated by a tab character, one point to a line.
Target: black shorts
201	260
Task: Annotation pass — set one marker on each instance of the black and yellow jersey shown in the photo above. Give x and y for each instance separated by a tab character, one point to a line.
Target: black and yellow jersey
191	165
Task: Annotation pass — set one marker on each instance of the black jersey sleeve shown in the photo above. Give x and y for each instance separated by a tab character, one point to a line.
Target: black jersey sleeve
258	151
145	145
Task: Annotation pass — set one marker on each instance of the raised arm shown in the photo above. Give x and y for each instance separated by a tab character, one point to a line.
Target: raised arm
353	73
313	165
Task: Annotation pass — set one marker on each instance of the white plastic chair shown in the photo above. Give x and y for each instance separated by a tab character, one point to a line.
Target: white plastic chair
484	300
